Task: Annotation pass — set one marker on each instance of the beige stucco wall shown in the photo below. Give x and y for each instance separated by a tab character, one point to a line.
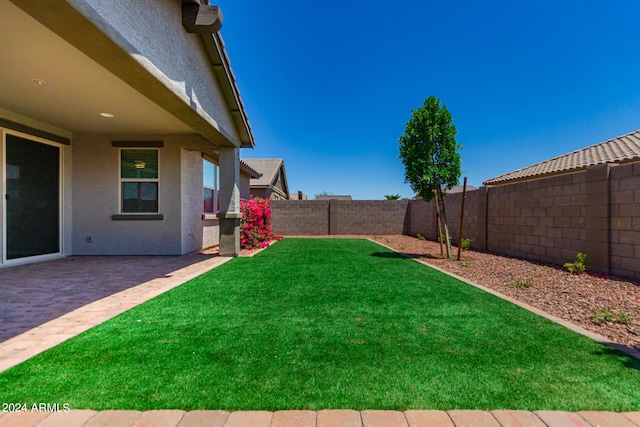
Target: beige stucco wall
152	32
191	200
96	197
245	186
197	233
261	192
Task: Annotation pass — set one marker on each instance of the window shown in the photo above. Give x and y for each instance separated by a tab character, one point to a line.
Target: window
210	186
139	180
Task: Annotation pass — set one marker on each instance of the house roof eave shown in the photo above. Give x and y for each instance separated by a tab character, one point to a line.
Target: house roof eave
223	72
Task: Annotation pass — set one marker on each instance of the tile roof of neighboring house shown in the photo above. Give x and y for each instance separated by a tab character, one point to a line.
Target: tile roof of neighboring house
459	188
269	169
252	172
453	190
625	148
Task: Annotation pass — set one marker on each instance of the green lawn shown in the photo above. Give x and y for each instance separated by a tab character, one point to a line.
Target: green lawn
328	323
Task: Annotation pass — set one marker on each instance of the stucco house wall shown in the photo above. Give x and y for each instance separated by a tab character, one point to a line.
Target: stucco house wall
183	229
245	186
96	197
261	192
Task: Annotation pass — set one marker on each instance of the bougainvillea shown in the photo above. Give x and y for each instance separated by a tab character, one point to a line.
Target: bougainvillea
255	225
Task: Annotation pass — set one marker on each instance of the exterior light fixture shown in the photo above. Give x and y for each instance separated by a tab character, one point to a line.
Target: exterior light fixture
38	82
107	115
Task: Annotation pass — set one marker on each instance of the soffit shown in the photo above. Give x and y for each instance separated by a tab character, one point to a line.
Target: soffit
76	88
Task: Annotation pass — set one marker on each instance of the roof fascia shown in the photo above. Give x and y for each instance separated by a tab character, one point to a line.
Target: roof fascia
253	173
285	184
222	67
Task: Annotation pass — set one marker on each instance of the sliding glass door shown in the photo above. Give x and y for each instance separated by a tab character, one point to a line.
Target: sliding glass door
32	198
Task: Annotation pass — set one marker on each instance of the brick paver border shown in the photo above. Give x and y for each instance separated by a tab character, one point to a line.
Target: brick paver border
325	418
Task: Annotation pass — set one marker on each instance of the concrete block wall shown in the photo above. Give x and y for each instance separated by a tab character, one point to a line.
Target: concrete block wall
422	219
367	216
300	217
541	219
474	224
334	217
596	211
624	187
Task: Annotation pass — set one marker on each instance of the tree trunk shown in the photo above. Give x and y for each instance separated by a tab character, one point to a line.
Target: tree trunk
444	220
438	222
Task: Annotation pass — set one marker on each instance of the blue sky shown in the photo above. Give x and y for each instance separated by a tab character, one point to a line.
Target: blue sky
329	86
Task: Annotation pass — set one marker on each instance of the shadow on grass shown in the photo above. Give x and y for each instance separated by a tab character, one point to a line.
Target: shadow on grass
620	351
388	255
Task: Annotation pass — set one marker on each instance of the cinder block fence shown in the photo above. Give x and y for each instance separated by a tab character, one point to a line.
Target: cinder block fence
551	219
334	217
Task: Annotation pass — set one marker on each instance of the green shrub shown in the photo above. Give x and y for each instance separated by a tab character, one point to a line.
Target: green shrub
580	266
465	244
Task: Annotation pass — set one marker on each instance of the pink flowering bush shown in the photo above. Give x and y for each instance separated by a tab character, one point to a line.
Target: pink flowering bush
255	225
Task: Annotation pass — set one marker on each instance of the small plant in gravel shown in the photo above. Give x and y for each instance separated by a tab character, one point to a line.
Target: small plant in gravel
420	237
580	266
464	264
465	244
523	283
609	315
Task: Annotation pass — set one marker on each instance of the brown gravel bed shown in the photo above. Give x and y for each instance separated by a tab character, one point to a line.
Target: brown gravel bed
548	287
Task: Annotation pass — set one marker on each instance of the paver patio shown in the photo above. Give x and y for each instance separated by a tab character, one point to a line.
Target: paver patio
59	299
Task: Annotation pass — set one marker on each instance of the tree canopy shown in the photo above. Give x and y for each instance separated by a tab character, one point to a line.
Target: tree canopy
429	150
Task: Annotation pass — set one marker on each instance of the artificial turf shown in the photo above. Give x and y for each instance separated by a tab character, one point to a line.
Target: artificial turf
328	323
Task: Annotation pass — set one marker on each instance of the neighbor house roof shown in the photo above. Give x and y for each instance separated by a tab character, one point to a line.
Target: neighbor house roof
253	173
623	149
270	170
459	189
267	167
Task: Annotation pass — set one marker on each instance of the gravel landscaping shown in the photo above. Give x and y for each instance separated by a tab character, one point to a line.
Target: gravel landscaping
587	300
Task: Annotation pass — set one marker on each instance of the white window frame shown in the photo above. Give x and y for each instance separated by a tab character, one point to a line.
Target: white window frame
122	180
215	188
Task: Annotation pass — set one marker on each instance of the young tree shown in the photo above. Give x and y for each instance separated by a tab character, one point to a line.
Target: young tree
430	155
